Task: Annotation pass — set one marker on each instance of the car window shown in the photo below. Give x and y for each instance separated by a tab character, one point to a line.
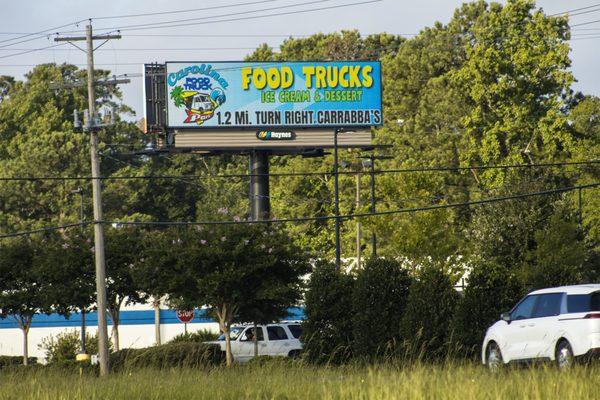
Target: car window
234	333
276	333
524	309
296	330
248	335
577	303
547	305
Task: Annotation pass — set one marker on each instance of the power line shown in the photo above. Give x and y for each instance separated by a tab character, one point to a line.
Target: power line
359	215
575	9
41	230
183	11
583	12
32	50
289	174
202	21
40	32
319	218
585	23
209	17
22	41
151	49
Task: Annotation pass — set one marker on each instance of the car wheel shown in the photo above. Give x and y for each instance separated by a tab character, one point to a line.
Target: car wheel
294	354
564	355
494	358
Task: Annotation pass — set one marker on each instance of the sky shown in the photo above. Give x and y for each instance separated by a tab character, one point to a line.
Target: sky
232	40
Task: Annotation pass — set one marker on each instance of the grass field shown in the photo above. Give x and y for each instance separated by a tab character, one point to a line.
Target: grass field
281	381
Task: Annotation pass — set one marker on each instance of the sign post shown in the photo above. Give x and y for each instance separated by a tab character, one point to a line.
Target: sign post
185	316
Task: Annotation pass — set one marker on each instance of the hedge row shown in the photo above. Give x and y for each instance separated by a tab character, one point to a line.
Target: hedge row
170	355
6	361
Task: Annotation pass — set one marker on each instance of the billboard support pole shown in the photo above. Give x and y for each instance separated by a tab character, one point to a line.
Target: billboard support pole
260	206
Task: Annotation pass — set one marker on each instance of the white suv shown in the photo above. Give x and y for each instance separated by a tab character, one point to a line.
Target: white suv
273	340
554	324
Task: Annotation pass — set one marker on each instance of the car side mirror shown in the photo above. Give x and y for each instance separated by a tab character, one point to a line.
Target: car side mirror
505	317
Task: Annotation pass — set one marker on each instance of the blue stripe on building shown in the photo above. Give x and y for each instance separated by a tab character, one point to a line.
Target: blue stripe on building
131	317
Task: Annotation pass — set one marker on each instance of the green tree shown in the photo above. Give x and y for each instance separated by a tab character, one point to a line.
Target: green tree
123	255
430	307
38	139
559	256
327	331
69	264
236	270
379	298
491	289
516	76
23	291
585	122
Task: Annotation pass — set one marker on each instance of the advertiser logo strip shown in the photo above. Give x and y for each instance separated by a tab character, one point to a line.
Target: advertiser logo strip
276	135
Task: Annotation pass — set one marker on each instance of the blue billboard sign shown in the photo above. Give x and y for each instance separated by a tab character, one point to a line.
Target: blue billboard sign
254	95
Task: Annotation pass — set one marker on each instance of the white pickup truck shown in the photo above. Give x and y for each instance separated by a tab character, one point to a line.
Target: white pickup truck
282	339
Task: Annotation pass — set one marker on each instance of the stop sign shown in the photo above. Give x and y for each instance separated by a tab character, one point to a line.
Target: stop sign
185	316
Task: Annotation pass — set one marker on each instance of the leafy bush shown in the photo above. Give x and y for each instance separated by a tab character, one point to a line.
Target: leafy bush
379	298
66	345
327	331
272	361
184	354
491	289
6	361
200	336
429	309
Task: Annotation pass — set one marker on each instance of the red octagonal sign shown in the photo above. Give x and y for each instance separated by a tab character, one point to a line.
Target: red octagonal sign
185	316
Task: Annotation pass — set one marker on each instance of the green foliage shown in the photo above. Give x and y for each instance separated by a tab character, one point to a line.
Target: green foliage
379	298
171	355
491	290
68	263
201	336
430	307
66	345
559	255
327	331
123	255
271	362
6	361
345	45
243	272
516	77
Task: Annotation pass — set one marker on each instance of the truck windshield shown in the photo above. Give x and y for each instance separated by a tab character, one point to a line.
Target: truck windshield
577	303
234	333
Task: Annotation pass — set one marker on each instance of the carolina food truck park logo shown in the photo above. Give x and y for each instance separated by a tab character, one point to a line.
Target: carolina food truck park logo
200	89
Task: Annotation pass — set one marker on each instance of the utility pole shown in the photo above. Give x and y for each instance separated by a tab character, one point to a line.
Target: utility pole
336	190
96	193
79	191
260	201
358	224
373	199
580	204
369	161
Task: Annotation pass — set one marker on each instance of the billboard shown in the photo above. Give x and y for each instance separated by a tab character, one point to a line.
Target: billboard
259	95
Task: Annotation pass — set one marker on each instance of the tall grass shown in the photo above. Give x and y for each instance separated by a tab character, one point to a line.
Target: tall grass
286	380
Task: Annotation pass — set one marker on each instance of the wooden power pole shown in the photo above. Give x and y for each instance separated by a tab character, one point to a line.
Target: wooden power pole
97	192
